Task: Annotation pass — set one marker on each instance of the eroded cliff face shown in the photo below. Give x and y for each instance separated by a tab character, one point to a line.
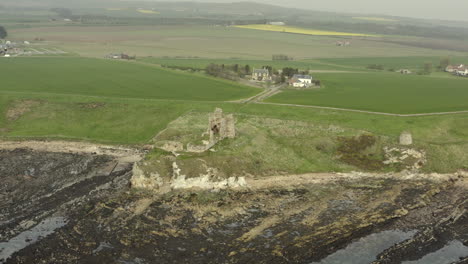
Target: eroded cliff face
278	219
181	174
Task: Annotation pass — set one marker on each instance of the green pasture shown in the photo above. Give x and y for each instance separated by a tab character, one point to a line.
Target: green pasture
396	63
136	121
106	78
383	92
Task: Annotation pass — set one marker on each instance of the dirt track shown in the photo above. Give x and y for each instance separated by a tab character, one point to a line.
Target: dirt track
367	112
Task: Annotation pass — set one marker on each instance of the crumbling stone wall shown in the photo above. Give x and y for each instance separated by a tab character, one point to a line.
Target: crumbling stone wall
221	126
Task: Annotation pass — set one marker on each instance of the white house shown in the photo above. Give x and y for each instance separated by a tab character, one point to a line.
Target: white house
463	72
456	68
301	81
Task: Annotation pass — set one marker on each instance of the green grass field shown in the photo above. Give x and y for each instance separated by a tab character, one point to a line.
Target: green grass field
396	63
105	78
383	92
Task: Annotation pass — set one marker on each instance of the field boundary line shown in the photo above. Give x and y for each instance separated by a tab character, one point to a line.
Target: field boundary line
366	112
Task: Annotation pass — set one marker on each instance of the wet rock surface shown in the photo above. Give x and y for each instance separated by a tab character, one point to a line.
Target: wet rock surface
38	185
108	222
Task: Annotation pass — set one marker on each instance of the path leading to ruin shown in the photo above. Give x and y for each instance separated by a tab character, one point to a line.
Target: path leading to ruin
366	112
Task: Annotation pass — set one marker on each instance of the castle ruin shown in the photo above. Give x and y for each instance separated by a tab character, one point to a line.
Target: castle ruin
221	126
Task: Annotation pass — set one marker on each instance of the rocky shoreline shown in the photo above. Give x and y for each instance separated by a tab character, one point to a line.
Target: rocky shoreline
280	219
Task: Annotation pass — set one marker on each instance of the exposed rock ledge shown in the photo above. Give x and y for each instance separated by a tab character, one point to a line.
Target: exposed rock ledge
210	180
124	154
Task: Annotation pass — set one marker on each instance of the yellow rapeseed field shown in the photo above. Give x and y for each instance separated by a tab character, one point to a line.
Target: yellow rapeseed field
304	31
376	19
147	11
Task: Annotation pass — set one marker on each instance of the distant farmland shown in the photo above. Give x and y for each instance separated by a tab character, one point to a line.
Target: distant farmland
105	78
378	19
304	31
383	92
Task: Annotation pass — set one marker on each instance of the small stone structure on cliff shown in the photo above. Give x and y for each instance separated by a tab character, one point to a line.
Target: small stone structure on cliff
406	139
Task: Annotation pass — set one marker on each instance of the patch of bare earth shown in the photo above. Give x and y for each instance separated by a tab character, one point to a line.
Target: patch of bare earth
20	108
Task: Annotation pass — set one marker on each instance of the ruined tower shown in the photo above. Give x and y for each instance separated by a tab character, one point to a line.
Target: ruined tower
221	126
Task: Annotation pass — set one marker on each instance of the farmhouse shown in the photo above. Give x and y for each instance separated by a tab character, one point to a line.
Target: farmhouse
119	56
343	43
404	71
460	70
463	73
301	81
261	75
455	68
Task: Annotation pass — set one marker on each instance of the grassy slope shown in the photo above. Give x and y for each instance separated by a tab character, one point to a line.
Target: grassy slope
91	77
383	92
133	121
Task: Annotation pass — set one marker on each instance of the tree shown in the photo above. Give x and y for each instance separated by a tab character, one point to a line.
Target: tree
3	33
428	67
444	62
247	69
289	72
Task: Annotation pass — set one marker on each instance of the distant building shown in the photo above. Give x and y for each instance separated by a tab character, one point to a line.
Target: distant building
277	23
119	56
460	70
463	73
343	43
455	68
404	71
301	81
261	75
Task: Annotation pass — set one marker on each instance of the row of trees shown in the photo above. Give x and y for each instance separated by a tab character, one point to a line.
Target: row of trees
281	57
3	32
230	72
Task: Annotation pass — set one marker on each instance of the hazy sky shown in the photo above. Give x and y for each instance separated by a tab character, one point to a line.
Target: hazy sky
440	9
